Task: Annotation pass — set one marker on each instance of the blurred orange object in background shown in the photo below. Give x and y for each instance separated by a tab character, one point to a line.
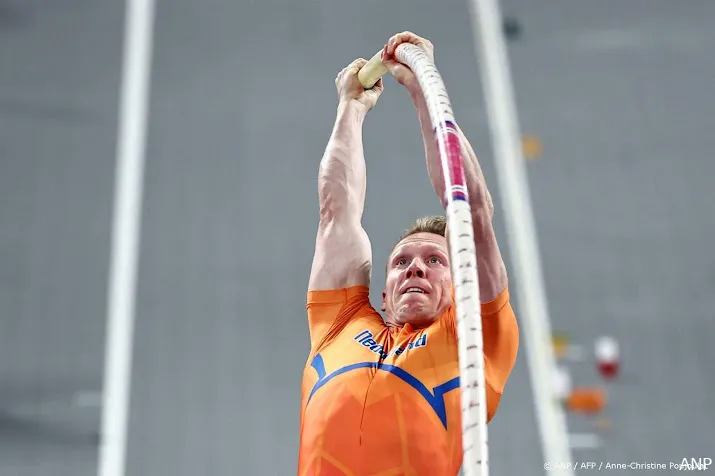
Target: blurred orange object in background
586	400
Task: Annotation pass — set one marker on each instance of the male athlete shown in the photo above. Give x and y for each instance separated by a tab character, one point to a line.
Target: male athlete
382	397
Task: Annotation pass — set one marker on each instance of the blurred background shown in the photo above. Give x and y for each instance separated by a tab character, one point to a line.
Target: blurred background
616	103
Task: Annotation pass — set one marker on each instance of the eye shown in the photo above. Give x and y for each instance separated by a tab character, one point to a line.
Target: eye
435	260
401	262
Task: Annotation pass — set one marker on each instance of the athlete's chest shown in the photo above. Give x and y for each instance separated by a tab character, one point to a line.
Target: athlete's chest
374	363
387	392
425	354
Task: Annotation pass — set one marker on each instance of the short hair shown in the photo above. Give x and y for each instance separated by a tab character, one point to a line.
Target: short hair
429	224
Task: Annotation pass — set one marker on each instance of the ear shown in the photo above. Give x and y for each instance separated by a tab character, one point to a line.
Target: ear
384	295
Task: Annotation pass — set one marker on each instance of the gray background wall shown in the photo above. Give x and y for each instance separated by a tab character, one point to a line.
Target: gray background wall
242	105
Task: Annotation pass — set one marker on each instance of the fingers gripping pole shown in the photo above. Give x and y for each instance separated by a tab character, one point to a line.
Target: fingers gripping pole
462	251
372	71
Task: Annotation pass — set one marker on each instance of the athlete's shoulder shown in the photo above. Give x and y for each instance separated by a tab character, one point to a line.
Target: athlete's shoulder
340	295
331	310
496	306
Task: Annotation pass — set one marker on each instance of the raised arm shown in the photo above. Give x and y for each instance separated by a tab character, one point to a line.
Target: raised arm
343	255
492	272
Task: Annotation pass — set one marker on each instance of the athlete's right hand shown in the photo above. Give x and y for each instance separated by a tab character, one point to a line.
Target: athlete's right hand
350	89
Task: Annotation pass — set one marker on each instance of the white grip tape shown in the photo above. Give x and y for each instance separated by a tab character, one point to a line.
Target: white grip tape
372	71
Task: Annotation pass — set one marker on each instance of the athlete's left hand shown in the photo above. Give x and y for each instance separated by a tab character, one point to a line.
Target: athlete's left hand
402	73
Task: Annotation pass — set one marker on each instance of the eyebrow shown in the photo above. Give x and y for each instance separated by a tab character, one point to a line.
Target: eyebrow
434	248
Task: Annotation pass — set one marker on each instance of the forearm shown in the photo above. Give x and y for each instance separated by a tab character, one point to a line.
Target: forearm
492	272
342	177
434	164
476	185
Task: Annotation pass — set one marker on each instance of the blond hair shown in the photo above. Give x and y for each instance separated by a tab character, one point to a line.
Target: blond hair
430	224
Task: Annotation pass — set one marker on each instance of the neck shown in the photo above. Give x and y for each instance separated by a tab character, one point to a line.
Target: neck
416	322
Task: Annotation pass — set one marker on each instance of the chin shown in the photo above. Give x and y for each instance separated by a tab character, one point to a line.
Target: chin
415	313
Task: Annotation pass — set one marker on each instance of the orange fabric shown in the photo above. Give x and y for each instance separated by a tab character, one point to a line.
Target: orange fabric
386	401
586	400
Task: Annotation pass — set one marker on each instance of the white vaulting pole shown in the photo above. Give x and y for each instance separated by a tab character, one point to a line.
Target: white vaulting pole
463	257
131	139
530	290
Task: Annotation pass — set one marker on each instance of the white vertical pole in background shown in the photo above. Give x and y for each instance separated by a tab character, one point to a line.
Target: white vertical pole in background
131	139
492	56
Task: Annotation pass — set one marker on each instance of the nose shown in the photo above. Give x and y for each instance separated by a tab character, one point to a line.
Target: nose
416	268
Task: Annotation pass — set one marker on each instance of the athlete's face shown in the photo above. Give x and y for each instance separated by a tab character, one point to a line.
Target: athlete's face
419	284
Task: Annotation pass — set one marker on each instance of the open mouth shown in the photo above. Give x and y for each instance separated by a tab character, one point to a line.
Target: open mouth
414	290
